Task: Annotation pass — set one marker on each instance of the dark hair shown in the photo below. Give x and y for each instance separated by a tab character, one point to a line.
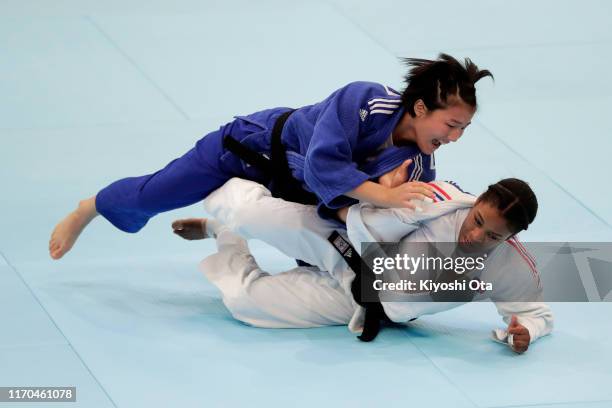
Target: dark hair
434	81
515	200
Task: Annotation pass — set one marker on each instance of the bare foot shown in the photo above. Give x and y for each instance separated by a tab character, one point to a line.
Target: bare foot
65	233
190	228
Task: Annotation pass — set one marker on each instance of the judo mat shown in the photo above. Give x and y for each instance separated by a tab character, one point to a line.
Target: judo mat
92	92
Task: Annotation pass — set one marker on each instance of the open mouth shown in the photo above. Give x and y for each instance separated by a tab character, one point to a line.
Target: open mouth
436	143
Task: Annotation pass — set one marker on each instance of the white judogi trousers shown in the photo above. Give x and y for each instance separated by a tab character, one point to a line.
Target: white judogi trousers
320	296
298	298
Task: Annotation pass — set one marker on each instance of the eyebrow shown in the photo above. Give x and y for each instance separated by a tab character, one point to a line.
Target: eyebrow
481	218
459	122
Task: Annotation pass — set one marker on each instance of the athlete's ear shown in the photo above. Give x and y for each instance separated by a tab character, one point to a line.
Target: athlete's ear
420	109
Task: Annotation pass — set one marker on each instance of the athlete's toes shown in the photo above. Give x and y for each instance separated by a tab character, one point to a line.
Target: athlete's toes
180	233
56	253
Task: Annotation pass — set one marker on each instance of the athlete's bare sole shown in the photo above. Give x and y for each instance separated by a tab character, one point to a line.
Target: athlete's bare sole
190	228
66	233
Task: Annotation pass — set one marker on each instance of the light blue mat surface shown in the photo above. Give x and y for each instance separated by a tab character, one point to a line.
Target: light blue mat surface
94	92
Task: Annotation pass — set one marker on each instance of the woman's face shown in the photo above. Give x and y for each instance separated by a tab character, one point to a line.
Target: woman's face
483	229
441	126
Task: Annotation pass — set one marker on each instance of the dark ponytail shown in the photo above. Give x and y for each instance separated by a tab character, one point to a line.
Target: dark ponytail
433	81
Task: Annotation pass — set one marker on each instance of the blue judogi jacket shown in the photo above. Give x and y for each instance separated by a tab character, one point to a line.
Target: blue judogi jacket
337	144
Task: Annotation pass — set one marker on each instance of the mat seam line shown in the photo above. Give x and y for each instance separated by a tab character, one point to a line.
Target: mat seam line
359	27
12	267
439	370
341	12
548	176
136	66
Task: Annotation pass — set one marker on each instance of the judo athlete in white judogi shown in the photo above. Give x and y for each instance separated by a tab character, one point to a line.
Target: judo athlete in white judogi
321	295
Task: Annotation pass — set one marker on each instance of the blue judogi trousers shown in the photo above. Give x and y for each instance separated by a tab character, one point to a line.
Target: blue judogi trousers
129	203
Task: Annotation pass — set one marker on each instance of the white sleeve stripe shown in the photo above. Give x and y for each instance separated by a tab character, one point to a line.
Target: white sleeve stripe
388	112
394	101
418	169
383	105
420	161
415	170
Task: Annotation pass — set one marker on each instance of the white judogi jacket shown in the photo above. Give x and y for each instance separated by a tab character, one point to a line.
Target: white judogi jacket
295	229
509	267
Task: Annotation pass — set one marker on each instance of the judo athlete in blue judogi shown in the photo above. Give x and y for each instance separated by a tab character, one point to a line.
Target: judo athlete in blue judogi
332	153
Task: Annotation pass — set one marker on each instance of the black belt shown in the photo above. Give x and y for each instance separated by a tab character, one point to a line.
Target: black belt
362	284
276	168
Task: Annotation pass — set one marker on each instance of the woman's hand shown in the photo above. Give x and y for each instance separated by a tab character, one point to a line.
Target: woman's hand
400	196
392	190
395	177
520	335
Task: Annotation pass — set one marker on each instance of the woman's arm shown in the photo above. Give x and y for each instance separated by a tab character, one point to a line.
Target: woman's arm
396	197
392	190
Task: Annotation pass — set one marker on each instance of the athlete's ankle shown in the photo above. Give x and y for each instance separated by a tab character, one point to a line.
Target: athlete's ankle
87	208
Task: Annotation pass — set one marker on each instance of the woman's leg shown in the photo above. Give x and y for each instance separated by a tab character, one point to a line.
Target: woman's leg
248	209
129	203
300	297
67	231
